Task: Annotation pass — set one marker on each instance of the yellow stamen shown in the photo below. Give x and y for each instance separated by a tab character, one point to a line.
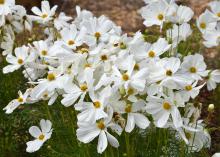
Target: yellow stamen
151	54
188	88
44	16
136	67
84	87
20	99
44	52
87	65
218	14
71	42
193	70
160	17
2	2
104	57
51	77
41	137
169	73
203	25
97	104
130	91
128	108
20	61
100	125
166	106
122	45
125	77
97	35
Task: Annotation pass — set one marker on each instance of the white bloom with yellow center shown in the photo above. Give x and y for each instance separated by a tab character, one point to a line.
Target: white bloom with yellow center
154	13
41	135
89	131
45	14
206	21
161	109
16	102
214	5
133	115
21	57
194	67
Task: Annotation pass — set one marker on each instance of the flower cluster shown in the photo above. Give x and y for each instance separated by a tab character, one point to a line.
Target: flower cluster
116	82
209	25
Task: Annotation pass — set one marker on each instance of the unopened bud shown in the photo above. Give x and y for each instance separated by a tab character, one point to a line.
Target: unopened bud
211	107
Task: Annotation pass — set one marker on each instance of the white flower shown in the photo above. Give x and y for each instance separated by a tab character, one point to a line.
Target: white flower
41	135
88	131
21	57
214	5
92	111
8	43
16	102
212	38
190	90
179	14
194	66
154	13
130	78
61	21
98	30
133	115
152	51
72	38
161	109
195	136
213	78
206	22
45	14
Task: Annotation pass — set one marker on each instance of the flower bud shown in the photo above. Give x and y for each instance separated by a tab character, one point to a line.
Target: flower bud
211	107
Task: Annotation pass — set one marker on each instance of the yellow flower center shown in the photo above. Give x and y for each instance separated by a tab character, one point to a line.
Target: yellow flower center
44	16
151	54
41	137
166	106
84	50
218	14
20	61
130	91
104	57
203	25
100	125
160	17
2	2
192	70
45	95
84	87
51	77
97	104
71	42
97	35
128	108
87	65
44	52
122	45
125	77
20	99
169	73
188	88
136	67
